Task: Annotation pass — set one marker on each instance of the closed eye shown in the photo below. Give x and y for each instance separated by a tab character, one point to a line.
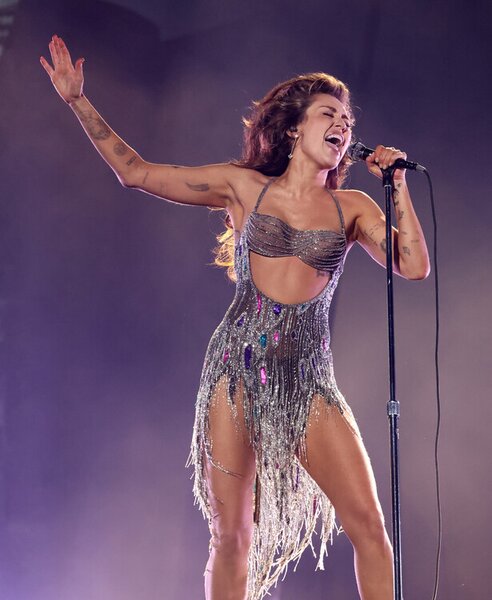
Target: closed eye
348	124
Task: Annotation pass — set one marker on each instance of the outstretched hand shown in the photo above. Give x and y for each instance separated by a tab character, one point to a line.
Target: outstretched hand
67	79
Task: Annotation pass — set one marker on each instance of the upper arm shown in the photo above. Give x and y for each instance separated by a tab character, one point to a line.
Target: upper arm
370	231
210	185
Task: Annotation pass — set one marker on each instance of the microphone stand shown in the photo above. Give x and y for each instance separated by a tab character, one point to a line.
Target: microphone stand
393	406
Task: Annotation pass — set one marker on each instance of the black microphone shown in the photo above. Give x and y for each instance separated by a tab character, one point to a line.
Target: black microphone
357	151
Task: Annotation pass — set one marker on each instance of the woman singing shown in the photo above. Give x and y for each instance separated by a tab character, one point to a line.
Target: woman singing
275	446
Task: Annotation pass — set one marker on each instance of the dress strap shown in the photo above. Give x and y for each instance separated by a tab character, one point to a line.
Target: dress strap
263	192
340	213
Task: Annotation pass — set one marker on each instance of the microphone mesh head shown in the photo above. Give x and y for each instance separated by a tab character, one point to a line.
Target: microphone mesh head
356	151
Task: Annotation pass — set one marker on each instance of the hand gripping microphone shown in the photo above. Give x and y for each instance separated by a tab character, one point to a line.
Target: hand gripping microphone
357	151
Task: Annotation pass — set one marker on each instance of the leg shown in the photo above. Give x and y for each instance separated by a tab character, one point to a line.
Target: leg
231	499
338	462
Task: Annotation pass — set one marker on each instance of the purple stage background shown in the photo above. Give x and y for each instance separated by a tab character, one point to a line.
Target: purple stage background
107	301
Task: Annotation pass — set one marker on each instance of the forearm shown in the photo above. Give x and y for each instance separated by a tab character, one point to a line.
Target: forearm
413	257
118	155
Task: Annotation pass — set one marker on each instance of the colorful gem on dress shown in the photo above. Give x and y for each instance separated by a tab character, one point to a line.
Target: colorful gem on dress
276	337
323	344
248	350
277	308
263	375
226	355
240	321
302	307
263	340
258	303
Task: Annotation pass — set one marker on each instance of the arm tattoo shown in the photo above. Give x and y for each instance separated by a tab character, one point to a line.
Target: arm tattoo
198	187
132	159
406	250
400	214
96	127
396	193
145	177
369	233
383	245
119	148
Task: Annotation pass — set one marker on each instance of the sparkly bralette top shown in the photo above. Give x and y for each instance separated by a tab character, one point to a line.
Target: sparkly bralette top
321	249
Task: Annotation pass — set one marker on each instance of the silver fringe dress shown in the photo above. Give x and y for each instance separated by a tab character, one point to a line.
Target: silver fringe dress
281	354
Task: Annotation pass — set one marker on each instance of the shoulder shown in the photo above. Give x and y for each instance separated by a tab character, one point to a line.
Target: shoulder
243	176
245	185
354	198
357	207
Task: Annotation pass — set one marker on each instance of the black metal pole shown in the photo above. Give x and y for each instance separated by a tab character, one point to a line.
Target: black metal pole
393	406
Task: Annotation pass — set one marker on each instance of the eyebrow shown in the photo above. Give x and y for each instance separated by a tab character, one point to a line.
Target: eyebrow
344	116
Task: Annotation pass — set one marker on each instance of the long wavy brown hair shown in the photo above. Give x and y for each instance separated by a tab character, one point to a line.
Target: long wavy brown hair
267	142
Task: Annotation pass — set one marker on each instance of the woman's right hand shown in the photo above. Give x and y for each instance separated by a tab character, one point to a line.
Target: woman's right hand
67	79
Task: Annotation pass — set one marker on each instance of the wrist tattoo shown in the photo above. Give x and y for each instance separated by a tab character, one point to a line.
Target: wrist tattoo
132	159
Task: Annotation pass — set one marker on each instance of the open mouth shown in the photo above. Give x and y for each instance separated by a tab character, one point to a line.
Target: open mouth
334	139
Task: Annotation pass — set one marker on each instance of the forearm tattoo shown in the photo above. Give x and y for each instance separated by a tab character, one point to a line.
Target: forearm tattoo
396	193
95	126
198	187
120	148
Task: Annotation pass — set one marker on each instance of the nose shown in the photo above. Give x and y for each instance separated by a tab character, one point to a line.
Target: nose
342	124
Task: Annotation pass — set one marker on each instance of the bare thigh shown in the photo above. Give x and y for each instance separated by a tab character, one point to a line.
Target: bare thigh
338	461
231	473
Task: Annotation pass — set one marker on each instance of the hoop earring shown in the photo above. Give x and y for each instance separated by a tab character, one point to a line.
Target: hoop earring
296	138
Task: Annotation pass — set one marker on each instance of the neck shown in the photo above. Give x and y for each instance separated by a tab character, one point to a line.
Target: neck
302	175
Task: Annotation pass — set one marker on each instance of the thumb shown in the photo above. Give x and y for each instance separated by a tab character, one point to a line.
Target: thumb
79	63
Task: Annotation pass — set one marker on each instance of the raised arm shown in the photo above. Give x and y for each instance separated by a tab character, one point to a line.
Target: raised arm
410	255
207	186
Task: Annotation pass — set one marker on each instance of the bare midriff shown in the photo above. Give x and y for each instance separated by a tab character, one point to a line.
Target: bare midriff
286	279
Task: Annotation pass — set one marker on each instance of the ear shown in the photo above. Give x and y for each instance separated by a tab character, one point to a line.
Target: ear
292	132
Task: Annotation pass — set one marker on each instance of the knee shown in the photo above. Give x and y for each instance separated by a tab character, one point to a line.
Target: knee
367	527
232	543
